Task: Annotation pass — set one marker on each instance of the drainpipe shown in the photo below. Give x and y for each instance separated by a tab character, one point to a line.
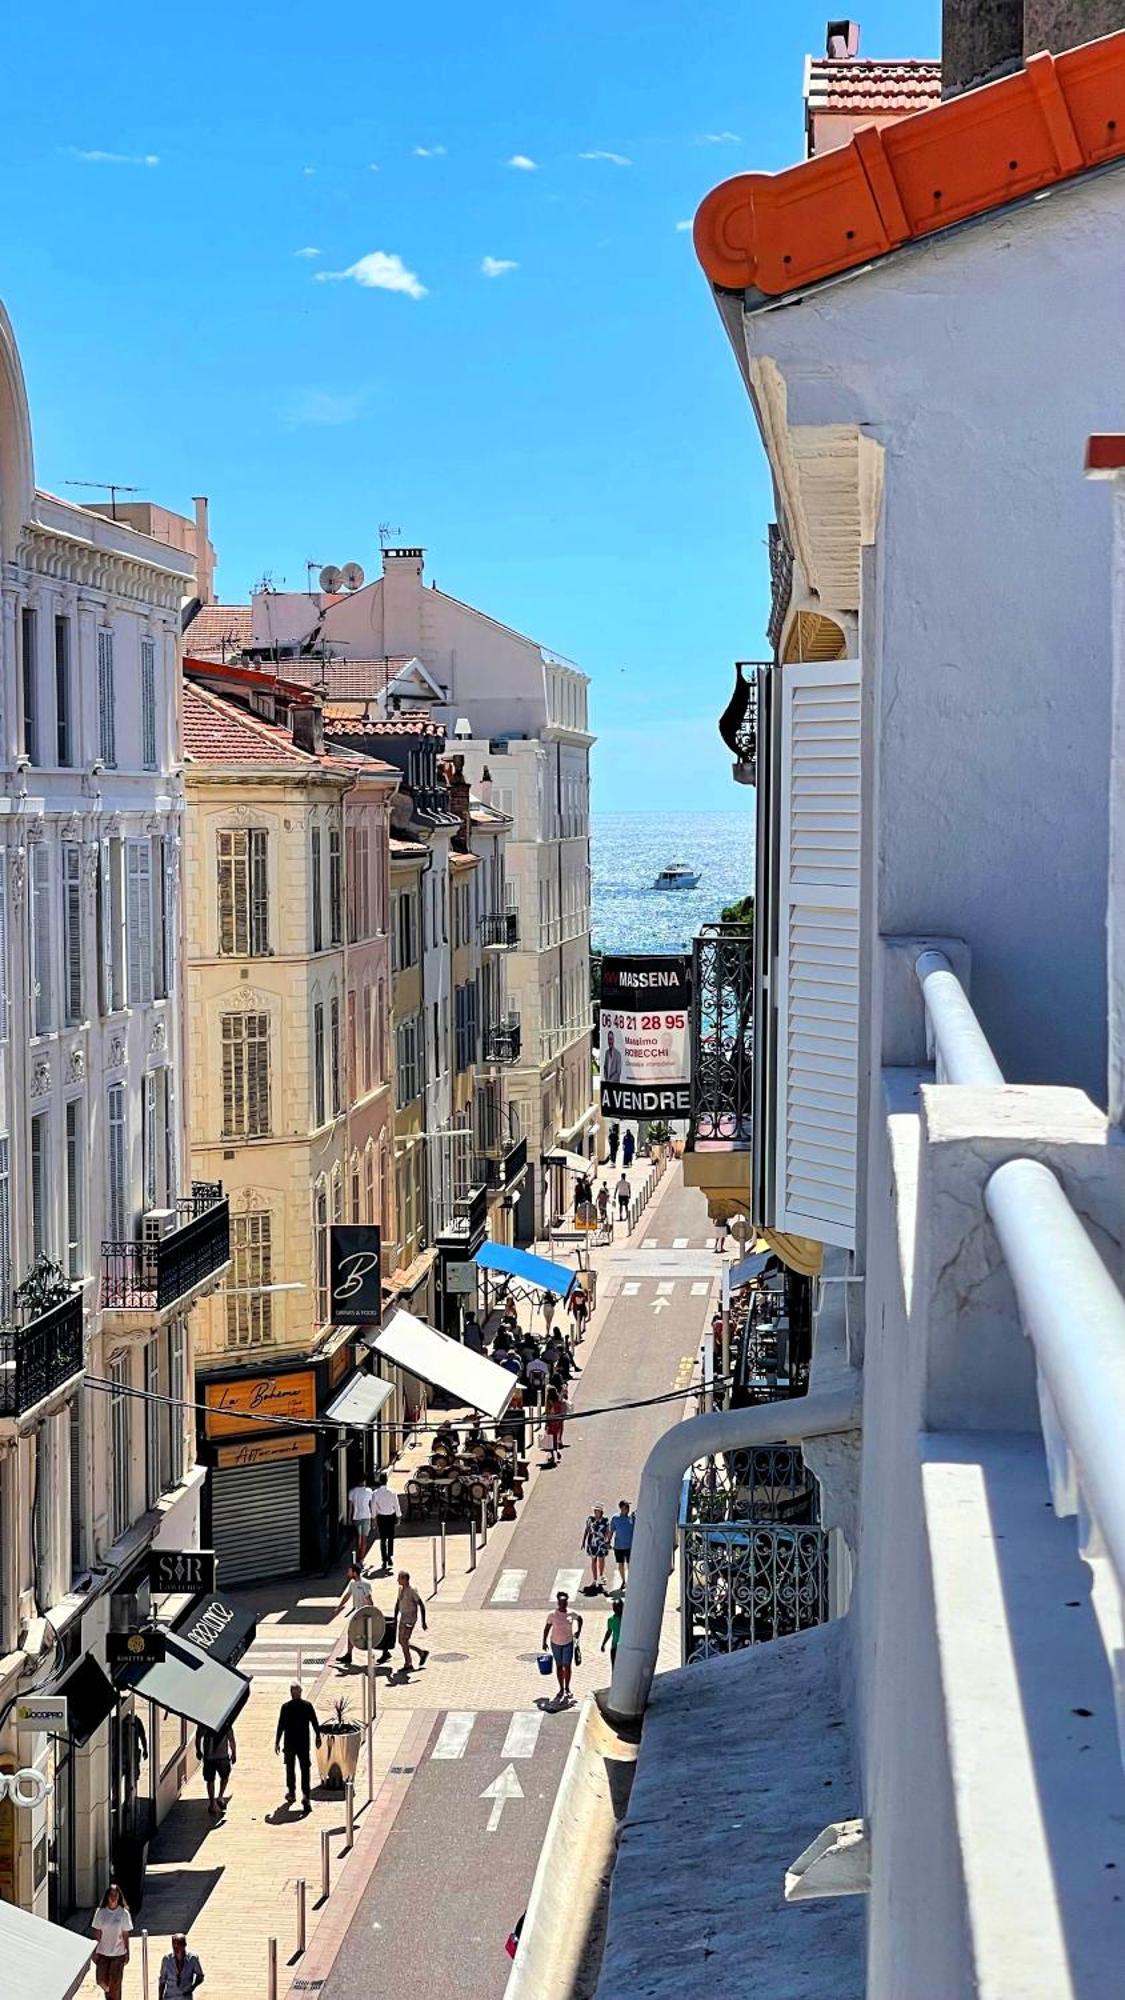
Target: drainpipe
654	1539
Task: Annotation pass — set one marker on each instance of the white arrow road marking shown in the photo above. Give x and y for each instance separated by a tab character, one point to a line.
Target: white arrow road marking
659	1305
700	1289
629	1291
508	1589
455	1733
665	1286
506	1786
523	1733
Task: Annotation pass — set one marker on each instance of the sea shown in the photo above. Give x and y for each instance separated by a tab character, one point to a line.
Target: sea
627	852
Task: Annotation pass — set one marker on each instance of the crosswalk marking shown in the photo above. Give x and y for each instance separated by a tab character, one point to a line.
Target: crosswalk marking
523	1734
277	1660
455	1733
569	1580
649	1243
665	1286
700	1289
630	1290
679	1242
508	1589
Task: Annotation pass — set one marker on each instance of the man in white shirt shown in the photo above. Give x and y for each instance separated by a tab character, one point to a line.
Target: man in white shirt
357	1594
387	1514
359	1514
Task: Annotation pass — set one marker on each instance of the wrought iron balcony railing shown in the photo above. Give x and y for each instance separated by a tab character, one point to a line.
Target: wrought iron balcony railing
753	1556
722	1036
502	1043
738	724
152	1277
499	1170
500	928
40	1357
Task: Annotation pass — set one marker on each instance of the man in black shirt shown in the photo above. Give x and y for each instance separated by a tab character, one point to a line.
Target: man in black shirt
295	1723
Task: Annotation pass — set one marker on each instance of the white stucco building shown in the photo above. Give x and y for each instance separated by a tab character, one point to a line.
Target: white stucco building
96	1205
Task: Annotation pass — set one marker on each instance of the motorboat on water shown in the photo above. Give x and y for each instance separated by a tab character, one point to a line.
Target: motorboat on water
677	875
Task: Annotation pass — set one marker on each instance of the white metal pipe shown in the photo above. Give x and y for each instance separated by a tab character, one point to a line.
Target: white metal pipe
654	1537
1075	1317
960	1040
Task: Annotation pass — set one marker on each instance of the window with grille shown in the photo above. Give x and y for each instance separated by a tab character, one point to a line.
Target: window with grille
334	1043
64	726
315	892
318	1063
249	1302
120	1446
246	1076
243	893
148	704
107	701
117	1189
335	887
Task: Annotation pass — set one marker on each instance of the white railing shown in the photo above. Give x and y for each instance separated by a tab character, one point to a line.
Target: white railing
959	1045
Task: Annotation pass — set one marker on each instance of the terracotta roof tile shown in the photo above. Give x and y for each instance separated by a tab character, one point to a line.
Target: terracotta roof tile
856	88
218	630
217	733
341	724
346	680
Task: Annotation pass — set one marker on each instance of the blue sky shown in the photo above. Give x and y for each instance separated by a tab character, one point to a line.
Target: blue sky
569	437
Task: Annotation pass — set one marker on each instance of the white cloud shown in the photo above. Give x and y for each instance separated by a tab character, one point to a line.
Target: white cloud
683	225
497	267
614	159
95	157
308	251
373	168
324	406
309	172
380	271
429	152
719	139
523	163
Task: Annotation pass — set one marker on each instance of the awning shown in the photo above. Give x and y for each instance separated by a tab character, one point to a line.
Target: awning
219	1629
434	1357
750	1267
91	1696
39	1957
189	1683
575	1163
360	1401
542	1273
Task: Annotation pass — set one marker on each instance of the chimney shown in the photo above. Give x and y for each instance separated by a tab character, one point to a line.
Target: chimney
841	40
454	772
308	728
402	599
204	553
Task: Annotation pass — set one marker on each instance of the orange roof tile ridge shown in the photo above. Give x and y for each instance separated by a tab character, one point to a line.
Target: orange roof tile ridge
1058	116
270	733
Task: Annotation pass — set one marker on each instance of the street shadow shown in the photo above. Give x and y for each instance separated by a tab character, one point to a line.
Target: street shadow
175	1899
183	1832
284	1815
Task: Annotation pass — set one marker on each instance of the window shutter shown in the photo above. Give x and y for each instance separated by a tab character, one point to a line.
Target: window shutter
107	714
41	935
138	919
258	1075
117	1162
4	1023
818	952
148	1137
226	865
72	920
148	704
259	894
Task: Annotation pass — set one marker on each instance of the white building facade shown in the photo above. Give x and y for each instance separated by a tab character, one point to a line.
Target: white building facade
103	1245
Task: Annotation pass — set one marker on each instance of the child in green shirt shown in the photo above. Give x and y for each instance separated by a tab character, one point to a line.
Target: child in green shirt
613	1630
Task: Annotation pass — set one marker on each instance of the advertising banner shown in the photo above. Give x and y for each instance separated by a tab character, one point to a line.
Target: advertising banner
355	1278
644	1022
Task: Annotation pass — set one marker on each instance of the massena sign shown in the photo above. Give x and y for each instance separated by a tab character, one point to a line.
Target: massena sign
643	1037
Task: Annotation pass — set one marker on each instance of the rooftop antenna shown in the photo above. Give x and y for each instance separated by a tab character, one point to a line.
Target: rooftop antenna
385	533
110	486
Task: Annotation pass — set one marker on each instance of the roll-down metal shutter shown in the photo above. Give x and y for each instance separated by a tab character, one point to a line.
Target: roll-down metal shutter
256	1521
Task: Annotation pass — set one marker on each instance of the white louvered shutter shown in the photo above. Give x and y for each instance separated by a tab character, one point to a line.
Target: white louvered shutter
818	952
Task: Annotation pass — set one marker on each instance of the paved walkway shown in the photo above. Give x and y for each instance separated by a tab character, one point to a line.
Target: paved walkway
233	1886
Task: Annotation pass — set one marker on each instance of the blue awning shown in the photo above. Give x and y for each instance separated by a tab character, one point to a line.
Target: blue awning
540	1272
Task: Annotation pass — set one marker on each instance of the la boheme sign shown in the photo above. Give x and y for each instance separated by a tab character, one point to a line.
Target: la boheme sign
238	1407
643	1034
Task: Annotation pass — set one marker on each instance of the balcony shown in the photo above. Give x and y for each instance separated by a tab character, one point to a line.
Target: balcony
500	1170
738	724
753	1556
717	1158
40	1357
502	1043
500	930
156	1277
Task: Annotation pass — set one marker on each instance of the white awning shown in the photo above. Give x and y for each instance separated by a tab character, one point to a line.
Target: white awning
360	1401
575	1163
39	1957
434	1357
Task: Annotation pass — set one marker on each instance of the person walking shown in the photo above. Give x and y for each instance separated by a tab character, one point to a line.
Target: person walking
409	1608
595	1544
555	1415
296	1723
579	1311
359	1514
613	1143
180	1971
471	1333
562	1632
536	1375
218	1754
621	1535
357	1593
603	1204
386	1512
628	1148
111	1926
624	1196
547	1302
612	1635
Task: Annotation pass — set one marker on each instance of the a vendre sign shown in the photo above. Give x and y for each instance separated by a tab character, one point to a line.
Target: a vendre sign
643	1025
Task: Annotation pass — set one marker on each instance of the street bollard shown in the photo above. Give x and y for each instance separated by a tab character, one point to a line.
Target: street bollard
472	1541
433	1564
271	1969
484	1524
349	1815
325	1864
302	1918
144	1964
443	1551
371	1705
301	1665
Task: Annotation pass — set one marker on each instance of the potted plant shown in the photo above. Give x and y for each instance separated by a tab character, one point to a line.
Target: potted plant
659	1133
337	1753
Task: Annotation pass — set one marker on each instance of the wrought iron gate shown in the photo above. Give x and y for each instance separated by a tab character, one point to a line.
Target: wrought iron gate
753	1558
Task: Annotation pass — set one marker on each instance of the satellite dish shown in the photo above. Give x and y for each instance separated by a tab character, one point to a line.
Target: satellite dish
330	578
352	576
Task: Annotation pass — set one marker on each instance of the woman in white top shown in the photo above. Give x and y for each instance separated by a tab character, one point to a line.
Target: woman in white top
111	1927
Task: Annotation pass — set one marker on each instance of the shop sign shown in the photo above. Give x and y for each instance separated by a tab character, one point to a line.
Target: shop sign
145	1647
339	1364
643	1038
183	1571
460	1277
44	1711
268	1451
234	1407
25	1788
355	1274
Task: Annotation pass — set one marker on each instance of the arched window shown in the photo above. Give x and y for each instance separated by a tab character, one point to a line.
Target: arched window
357	1213
337	1194
370	1212
320	1249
